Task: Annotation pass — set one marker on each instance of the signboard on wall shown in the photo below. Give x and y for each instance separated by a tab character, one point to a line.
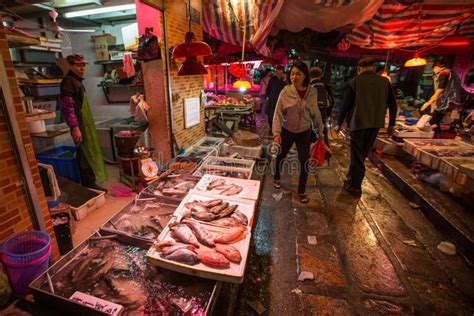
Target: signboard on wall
191	112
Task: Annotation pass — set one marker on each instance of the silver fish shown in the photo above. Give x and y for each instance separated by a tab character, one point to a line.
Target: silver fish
228	211
201	233
184	256
169	250
232	191
185	234
241	217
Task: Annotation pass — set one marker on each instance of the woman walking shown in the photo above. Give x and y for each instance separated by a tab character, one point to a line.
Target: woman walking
296	109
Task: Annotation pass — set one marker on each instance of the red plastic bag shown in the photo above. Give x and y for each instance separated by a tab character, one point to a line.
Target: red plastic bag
318	153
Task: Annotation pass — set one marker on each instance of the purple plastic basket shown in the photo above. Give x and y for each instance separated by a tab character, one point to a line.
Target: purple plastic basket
26	246
21	274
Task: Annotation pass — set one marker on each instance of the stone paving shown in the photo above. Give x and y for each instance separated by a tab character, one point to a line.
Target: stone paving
373	255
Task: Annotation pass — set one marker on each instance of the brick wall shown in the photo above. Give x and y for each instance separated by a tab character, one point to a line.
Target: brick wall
14	213
187	86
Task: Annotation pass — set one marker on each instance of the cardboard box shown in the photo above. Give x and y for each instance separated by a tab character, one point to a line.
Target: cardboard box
102	43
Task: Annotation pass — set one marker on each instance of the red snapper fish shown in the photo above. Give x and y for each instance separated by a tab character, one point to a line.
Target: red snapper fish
213	259
229	252
230	236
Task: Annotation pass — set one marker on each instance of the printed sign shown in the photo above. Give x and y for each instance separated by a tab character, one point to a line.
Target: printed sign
97	303
191	112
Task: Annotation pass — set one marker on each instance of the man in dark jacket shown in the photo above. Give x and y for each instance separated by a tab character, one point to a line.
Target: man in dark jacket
76	113
366	99
274	87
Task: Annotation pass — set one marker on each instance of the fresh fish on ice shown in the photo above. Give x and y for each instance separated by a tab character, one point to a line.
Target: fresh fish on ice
228	211
204	236
229	252
184	234
219	208
214	183
211	203
205	216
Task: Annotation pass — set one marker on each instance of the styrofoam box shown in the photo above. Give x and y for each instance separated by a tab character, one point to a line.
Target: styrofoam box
216	140
234	273
248	152
250	188
231	162
203	168
91	205
411	146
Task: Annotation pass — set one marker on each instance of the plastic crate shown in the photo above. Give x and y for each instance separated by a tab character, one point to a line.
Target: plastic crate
63	160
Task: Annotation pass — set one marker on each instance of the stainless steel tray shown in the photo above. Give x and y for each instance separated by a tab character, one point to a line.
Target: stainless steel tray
203	290
116	225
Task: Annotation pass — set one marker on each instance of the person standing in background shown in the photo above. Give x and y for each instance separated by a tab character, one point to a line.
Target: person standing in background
366	99
263	89
325	98
296	110
275	85
76	113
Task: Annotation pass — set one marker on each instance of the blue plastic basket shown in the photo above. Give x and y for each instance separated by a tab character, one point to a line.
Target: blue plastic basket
26	246
63	160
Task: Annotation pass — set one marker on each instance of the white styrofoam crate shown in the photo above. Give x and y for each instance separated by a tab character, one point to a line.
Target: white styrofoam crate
89	206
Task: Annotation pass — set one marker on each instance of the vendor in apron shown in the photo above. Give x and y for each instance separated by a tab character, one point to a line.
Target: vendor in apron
76	113
447	88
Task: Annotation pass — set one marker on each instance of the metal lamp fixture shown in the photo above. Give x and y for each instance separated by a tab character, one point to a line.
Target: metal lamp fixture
190	50
415	61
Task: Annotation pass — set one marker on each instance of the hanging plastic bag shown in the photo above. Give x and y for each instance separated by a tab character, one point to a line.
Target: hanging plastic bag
318	153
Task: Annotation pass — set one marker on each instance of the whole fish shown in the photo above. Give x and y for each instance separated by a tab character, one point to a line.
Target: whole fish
205	216
229	252
232	191
231	235
213	259
185	185
184	256
169	250
211	203
174	191
184	234
223	187
227	221
199	208
219	208
201	233
165	243
192	204
214	183
241	217
228	211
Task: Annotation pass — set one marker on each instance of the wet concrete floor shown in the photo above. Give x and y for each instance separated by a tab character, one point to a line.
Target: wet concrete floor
373	255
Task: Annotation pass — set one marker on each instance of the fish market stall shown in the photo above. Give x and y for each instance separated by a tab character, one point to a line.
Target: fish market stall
110	275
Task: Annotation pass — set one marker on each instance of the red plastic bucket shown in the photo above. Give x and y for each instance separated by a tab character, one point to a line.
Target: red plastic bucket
21	274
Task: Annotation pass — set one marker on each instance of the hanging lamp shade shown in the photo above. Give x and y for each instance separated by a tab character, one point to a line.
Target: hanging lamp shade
415	61
242	85
190	50
237	70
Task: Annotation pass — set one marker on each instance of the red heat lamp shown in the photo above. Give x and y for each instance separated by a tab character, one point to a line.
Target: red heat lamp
455	41
191	50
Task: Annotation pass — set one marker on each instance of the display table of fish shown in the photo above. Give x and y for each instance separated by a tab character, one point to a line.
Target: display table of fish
239	173
242	188
118	272
204	250
144	219
174	185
